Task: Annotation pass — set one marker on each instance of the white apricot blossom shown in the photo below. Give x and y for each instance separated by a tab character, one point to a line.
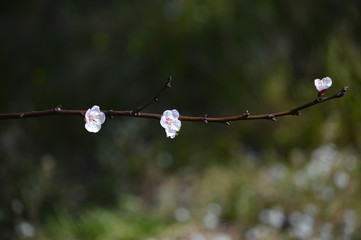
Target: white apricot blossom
94	118
323	84
170	122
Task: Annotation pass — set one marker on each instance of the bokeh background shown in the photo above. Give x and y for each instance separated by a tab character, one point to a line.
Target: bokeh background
297	178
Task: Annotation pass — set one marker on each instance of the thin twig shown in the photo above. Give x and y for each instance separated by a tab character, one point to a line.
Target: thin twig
226	120
270	116
155	99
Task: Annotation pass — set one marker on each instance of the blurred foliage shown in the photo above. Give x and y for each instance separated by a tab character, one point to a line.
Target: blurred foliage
129	181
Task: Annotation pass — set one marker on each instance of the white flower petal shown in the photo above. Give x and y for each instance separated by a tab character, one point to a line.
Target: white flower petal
162	122
95	108
323	84
169	121
167	113
87	115
171	133
317	82
93	127
175	113
327	81
101	117
176	125
94	118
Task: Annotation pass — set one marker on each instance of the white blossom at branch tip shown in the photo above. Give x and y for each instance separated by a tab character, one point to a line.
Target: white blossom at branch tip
94	118
170	122
323	84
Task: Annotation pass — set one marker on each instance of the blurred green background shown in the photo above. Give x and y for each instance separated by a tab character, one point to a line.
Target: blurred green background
297	178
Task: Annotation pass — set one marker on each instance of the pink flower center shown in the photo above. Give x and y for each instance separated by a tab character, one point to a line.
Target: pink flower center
322	91
90	117
168	121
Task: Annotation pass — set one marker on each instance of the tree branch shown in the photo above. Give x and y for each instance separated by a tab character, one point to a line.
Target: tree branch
155	99
270	116
136	113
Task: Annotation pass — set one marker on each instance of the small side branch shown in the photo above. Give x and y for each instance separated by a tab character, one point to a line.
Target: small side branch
154	99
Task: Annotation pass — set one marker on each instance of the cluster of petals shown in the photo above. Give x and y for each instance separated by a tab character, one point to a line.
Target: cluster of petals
170	122
94	118
323	84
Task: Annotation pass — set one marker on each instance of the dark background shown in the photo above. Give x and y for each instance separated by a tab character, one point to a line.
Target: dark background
59	181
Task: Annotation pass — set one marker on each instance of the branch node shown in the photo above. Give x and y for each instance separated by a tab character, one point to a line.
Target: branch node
111	114
246	114
342	92
58	108
204	118
168	82
136	111
272	117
